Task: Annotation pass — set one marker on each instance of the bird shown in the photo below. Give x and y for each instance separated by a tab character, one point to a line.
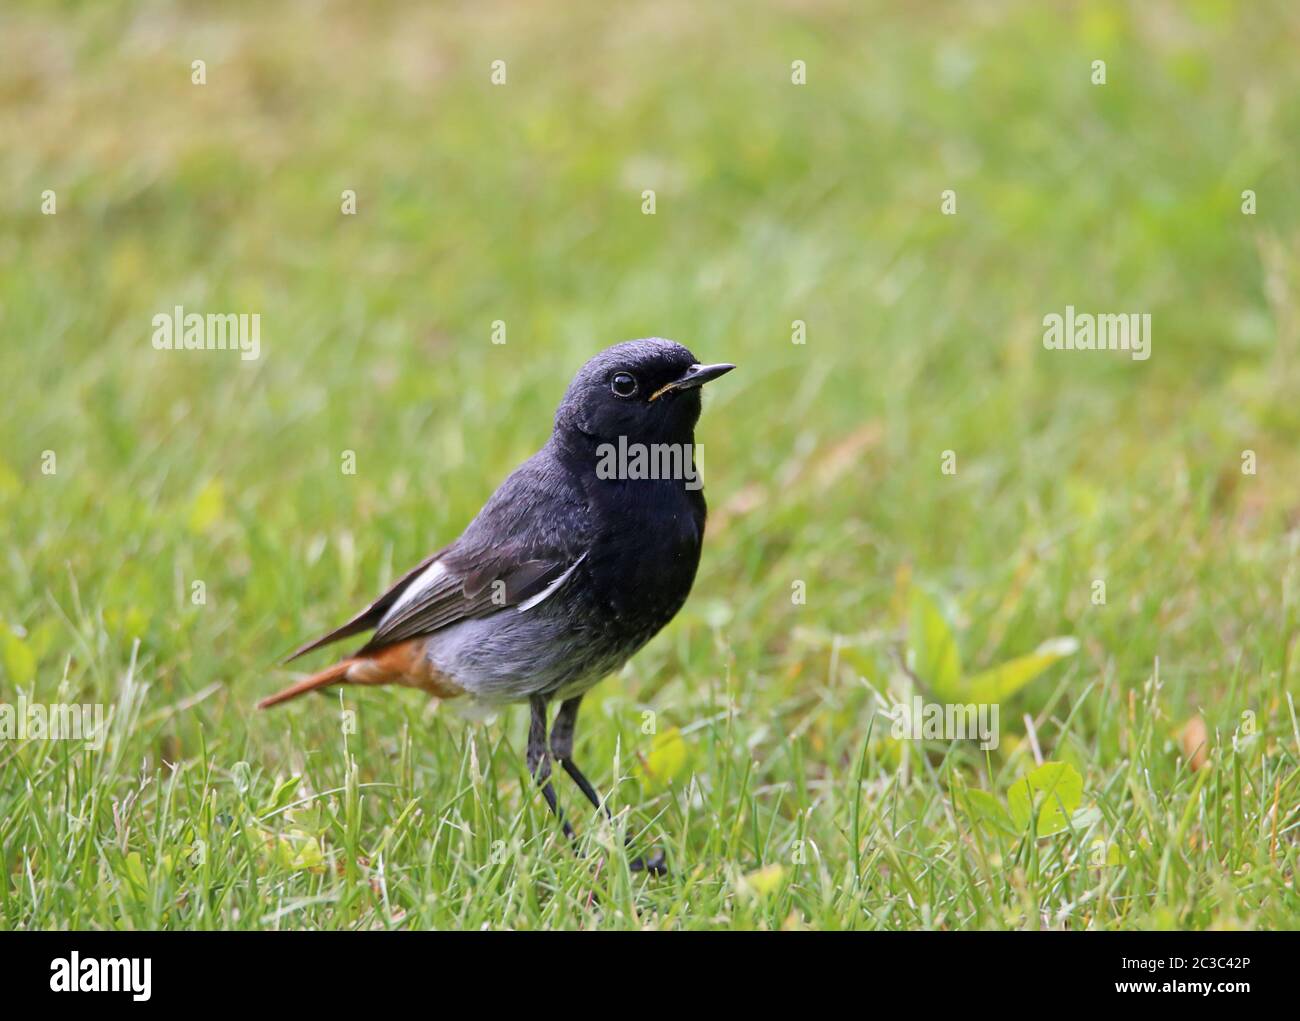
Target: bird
580	557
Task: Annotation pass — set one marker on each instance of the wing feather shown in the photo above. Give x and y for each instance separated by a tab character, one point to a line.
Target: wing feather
511	555
458	594
372	614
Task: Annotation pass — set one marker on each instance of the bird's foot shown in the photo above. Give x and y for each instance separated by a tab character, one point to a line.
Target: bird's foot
654	863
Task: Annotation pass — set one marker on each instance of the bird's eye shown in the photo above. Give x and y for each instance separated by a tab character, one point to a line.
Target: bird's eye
623	384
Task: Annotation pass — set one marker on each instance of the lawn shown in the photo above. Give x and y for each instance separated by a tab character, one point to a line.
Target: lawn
907	488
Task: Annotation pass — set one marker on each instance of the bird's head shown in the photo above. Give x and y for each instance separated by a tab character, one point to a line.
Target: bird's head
646	390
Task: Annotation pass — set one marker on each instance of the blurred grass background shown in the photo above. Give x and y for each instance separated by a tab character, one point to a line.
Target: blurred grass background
522	203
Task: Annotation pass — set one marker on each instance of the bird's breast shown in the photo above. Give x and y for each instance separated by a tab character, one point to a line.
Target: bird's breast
643	564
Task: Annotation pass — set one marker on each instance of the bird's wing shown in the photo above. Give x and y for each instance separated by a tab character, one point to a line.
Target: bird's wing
443	589
520	548
372	614
459	587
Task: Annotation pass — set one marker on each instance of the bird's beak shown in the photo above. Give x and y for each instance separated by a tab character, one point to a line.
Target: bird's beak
696	375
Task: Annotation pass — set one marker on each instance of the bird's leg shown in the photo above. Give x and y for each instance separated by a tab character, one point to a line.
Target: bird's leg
562	748
539	763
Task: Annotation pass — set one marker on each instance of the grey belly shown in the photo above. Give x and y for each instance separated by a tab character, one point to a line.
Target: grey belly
511	656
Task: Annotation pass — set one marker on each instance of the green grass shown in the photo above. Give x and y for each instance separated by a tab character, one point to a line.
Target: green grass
522	203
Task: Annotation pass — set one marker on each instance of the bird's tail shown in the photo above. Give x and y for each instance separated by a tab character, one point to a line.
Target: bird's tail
336	674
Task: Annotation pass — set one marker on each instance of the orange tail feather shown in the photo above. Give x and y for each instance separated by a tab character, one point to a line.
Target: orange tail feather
335	674
403	663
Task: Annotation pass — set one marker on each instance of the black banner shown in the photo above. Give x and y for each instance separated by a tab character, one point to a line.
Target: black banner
139	970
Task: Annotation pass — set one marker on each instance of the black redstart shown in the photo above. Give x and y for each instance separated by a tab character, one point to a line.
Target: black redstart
581	556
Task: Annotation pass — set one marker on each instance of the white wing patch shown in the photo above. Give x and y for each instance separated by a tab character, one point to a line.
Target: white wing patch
532	601
427	577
